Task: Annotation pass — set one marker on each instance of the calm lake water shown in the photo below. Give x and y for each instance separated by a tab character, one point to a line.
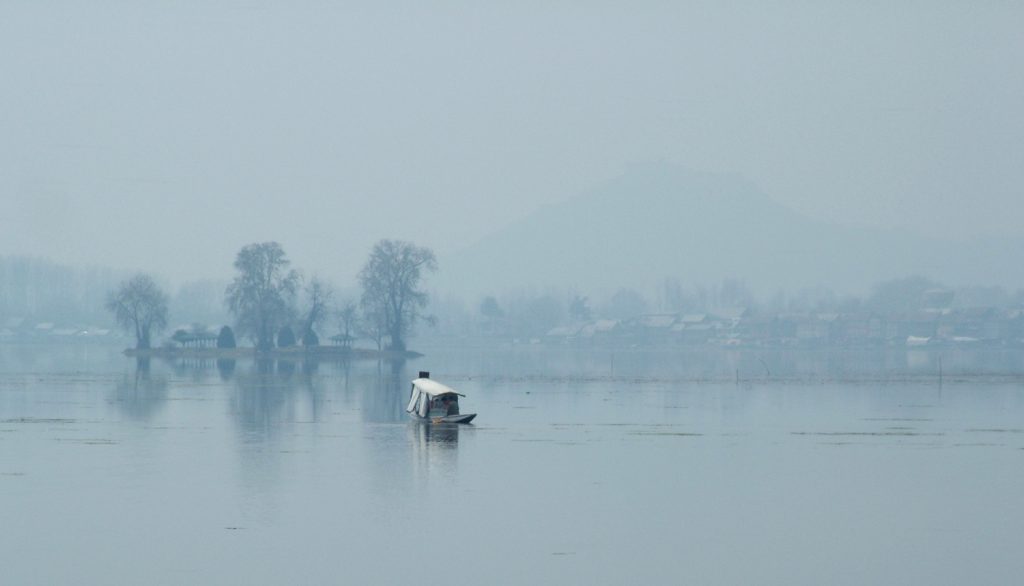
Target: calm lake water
583	467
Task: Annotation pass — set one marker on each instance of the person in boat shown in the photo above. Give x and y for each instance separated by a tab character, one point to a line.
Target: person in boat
451	405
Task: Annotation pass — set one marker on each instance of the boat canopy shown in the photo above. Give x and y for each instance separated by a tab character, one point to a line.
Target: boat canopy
434	388
424	391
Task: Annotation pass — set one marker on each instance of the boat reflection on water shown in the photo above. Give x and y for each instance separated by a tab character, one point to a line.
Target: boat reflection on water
442	435
435	451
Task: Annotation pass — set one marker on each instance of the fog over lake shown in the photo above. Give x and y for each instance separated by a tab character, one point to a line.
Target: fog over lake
734	291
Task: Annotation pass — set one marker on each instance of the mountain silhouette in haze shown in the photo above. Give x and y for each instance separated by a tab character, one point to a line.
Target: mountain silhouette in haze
657	221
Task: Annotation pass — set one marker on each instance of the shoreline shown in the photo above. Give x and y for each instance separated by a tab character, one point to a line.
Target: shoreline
299	352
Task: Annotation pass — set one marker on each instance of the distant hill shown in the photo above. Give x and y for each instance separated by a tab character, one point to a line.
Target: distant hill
658	220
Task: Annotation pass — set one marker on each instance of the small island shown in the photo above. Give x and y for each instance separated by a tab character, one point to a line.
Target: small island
270	302
296	352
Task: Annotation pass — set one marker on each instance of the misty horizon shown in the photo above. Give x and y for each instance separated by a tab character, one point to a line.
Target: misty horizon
165	138
638	177
621	293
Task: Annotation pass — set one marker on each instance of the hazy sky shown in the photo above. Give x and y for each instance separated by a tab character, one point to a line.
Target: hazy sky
165	135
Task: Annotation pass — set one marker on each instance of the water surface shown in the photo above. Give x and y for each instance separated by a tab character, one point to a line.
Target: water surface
113	471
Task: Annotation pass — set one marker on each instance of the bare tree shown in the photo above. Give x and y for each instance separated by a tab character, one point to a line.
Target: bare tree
372	325
348	322
391	295
139	305
262	294
318	299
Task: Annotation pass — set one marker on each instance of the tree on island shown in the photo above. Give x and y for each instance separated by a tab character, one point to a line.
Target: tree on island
139	305
262	293
318	299
226	338
371	325
348	323
285	337
391	294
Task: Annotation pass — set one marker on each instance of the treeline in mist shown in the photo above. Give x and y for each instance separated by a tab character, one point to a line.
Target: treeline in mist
35	290
38	289
273	305
729	312
39	296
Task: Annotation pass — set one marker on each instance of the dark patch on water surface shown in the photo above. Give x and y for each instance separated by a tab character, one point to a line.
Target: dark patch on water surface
675	433
38	420
864	433
994	430
88	441
907	419
533	440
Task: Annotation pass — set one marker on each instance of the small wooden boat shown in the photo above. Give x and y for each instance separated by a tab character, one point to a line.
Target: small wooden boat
432	402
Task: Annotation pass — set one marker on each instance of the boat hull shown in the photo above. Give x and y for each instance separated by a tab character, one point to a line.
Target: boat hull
462	418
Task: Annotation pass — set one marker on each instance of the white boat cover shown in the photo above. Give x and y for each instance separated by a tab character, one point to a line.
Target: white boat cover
423	390
434	388
412	400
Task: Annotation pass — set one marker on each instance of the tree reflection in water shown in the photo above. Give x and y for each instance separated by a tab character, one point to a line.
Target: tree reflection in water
262	395
385	392
141	394
226	368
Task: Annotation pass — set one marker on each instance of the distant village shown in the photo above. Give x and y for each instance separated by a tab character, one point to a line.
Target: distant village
45	303
742	327
981	326
936	324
